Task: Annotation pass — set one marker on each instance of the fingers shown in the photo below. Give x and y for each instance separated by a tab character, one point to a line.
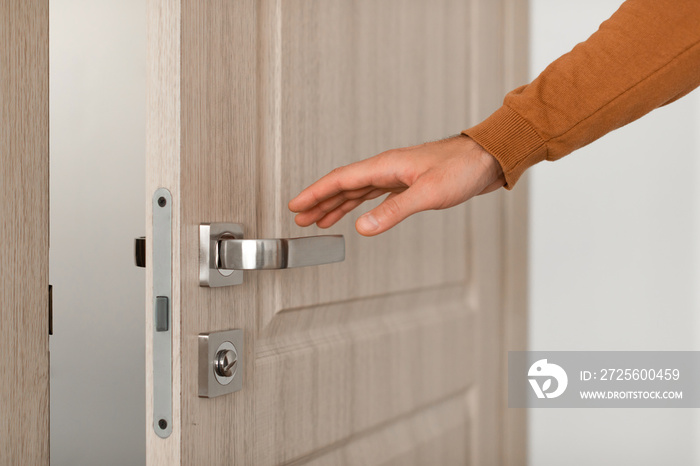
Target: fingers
395	208
430	176
317	212
358	175
332	217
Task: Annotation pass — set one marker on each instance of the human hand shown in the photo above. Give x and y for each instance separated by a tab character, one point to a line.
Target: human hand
431	176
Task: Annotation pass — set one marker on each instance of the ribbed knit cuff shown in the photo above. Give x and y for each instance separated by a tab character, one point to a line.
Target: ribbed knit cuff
511	140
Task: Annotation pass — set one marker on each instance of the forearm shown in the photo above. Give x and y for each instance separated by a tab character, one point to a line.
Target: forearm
646	55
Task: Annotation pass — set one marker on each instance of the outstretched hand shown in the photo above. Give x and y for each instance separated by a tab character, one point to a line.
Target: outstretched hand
431	176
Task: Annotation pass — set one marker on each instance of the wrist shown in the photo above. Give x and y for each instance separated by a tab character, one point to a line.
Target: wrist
492	167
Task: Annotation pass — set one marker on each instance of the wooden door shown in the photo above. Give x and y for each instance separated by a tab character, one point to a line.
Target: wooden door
24	232
395	356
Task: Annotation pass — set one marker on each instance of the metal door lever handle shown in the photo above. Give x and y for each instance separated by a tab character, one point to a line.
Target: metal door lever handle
281	253
224	253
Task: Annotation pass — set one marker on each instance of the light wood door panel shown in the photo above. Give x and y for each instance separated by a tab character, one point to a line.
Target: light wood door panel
329	373
354	79
24	232
438	434
394	356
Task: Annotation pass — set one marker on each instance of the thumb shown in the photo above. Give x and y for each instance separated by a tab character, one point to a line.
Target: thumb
395	208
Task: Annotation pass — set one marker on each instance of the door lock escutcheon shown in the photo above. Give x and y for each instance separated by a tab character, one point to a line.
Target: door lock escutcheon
220	364
224	253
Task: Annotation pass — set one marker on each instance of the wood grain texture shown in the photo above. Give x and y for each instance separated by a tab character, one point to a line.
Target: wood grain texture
24	232
331	372
487	42
393	355
350	79
219	91
501	231
163	139
356	78
435	435
515	209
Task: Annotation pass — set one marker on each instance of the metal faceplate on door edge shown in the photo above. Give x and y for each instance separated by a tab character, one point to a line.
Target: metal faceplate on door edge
162	313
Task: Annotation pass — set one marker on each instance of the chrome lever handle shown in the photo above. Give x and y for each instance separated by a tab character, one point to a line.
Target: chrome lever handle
224	253
280	253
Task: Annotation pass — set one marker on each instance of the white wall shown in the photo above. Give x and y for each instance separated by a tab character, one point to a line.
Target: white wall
614	259
97	117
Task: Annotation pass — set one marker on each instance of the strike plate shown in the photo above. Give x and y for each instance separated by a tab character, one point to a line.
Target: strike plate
212	384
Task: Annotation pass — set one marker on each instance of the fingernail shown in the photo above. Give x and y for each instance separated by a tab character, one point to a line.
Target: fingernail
368	223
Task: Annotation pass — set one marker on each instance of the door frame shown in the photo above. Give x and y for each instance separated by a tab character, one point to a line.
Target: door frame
24	235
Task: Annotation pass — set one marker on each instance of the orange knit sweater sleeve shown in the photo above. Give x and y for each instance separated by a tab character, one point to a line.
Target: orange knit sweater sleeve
645	56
